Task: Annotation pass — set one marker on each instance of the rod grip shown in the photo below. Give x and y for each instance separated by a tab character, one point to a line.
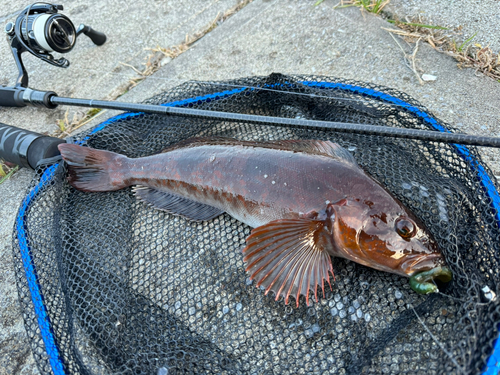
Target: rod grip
22	96
11	97
26	148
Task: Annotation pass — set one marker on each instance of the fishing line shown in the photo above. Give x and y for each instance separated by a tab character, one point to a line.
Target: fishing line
460	368
463	300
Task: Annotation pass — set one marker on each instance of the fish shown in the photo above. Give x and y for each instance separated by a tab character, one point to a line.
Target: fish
307	200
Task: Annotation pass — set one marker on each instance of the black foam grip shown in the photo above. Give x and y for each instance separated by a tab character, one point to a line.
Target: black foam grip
11	97
26	148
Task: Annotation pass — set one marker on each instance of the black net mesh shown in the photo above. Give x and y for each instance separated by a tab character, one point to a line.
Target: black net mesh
127	289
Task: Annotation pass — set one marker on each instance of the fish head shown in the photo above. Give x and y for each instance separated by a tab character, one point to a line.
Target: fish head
388	238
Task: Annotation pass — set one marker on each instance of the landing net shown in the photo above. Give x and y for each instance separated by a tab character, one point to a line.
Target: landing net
109	285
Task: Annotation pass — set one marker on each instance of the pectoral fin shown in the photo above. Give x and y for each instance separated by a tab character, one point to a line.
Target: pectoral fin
289	257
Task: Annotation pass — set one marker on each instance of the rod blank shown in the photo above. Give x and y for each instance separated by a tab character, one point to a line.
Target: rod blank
424	135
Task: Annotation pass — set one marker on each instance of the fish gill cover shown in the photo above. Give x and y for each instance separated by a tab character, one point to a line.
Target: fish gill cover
110	285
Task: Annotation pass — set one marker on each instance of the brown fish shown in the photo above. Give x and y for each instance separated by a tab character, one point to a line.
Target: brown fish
307	200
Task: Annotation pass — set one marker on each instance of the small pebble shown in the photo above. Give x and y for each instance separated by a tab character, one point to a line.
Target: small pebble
428	77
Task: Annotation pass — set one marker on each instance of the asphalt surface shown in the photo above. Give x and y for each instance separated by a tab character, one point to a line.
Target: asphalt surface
262	38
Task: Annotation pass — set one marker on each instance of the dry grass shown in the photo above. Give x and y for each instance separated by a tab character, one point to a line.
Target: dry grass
483	59
372	6
411	60
80	118
6	170
413	31
155	60
467	53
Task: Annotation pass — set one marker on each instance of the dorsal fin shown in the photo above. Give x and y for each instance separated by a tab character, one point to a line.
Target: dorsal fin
331	149
311	146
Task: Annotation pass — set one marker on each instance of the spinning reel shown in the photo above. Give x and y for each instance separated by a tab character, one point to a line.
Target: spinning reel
40	30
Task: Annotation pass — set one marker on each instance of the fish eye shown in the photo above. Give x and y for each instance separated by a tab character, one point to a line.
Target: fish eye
405	227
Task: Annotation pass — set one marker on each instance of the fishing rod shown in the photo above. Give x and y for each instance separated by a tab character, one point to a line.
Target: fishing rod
27	148
20	97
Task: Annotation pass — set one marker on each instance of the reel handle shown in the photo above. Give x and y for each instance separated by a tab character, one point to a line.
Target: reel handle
96	36
26	148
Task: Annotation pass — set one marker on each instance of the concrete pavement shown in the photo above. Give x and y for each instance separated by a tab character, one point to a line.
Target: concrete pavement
265	36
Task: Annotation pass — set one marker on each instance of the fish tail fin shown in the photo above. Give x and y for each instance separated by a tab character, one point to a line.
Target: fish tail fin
94	170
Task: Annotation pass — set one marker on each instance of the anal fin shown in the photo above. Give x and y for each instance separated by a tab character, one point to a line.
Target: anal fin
289	257
176	204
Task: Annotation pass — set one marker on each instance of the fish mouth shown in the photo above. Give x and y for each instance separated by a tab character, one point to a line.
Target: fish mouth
416	263
423	282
